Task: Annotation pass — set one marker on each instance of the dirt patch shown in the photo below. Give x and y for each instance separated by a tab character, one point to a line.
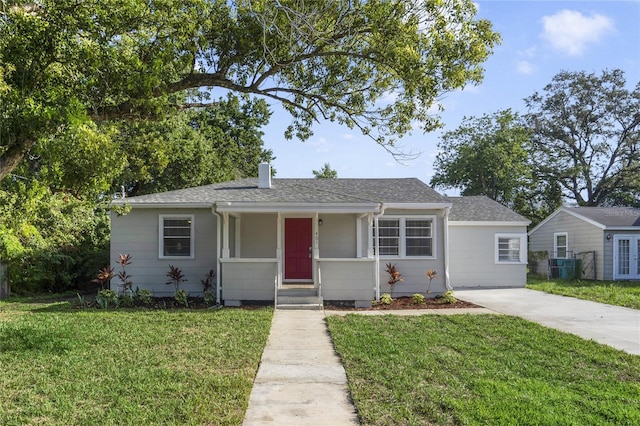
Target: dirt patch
407	302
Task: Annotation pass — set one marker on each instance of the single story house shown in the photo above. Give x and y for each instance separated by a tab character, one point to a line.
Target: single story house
487	244
323	239
605	239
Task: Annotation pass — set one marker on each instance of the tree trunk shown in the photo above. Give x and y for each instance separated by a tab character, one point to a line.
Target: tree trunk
12	157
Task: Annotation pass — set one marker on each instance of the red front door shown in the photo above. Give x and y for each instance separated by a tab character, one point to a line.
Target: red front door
297	249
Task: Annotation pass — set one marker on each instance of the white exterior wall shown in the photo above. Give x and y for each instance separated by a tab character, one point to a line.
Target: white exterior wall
248	280
581	237
258	235
413	269
137	234
337	236
348	279
472	260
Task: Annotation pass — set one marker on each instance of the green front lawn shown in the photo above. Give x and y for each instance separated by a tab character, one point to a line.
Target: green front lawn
620	293
482	370
62	366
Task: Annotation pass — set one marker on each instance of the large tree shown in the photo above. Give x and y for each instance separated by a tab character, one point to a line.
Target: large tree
491	155
586	137
485	156
66	62
193	148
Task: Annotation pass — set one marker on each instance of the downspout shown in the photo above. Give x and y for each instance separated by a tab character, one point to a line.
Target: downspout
377	248
446	248
218	248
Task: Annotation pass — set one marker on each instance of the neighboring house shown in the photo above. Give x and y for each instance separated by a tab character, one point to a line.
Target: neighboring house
605	239
487	244
330	237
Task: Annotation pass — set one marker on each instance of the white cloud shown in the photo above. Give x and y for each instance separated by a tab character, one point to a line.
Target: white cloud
529	52
570	31
320	144
525	67
347	136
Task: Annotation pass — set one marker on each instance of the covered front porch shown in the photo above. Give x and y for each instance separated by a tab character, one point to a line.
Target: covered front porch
311	254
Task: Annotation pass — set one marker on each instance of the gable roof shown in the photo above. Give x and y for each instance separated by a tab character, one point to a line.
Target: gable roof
611	218
368	193
475	209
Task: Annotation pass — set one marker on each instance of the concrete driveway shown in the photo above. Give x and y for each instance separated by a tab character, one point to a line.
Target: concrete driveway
611	325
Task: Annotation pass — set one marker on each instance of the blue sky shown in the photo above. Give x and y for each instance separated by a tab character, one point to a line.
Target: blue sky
539	39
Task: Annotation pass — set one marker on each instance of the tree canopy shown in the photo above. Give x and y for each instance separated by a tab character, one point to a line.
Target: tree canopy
326	172
375	65
586	136
579	140
485	156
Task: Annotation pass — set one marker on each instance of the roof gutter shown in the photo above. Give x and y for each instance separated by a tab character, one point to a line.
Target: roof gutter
447	282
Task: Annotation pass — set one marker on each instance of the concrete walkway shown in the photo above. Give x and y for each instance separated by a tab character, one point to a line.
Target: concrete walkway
611	325
300	380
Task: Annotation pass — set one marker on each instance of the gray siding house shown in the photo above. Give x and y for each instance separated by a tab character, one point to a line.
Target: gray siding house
268	238
488	244
607	239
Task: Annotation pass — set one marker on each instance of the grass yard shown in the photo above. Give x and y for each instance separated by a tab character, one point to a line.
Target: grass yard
482	370
620	293
62	366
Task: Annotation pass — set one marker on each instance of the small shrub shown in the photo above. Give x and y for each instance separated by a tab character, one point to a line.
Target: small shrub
180	296
107	299
209	288
418	299
176	277
125	279
104	277
386	299
449	297
126	300
82	302
394	276
431	274
143	296
209	297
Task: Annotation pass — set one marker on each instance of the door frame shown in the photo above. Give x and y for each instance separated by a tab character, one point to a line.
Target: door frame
634	256
314	247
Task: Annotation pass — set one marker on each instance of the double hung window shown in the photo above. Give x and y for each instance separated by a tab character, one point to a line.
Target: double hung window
511	248
176	237
405	237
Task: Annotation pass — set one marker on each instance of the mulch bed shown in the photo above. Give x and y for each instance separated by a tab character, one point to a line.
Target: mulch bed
407	302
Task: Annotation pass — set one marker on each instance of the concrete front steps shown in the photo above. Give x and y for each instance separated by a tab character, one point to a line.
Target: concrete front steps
299	298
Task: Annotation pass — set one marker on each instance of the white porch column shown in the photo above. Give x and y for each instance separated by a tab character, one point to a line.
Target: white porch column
370	250
279	232
315	227
225	235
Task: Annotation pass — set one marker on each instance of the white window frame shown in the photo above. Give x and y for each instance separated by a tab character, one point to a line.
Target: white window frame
192	236
522	256
566	245
402	237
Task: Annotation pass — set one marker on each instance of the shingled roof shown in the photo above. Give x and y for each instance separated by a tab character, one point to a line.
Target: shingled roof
481	209
608	216
330	191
